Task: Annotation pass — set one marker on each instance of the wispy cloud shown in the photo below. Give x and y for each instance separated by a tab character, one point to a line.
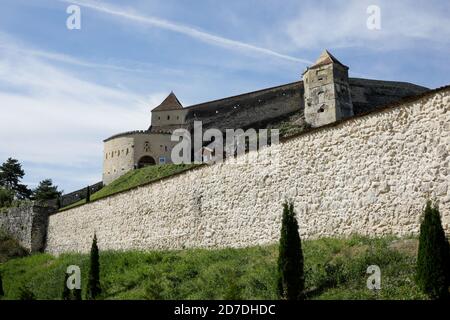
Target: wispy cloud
52	117
184	29
343	24
5	44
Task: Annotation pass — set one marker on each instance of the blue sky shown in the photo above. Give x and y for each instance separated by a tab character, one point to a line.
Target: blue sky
63	91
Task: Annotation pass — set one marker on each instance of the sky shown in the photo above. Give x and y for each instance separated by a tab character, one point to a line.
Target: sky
63	91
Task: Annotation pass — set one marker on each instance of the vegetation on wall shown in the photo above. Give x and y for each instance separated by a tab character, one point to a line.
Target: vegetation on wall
433	260
10	248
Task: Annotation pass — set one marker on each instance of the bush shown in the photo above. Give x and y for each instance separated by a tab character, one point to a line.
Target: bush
433	259
291	280
94	288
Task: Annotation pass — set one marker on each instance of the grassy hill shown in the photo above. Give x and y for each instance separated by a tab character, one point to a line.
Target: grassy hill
136	178
335	269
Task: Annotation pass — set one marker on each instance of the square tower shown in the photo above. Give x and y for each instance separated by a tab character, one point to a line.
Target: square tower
327	91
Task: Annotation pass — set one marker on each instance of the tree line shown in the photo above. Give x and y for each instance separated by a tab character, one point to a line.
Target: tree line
12	190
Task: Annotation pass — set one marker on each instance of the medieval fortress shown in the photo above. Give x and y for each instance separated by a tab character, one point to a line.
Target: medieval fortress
366	157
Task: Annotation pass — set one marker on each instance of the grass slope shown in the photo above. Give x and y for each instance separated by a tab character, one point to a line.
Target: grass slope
136	178
335	269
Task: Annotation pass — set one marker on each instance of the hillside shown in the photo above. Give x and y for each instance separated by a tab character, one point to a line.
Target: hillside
335	269
136	178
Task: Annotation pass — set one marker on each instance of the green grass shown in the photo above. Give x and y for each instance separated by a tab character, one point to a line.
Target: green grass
136	178
335	269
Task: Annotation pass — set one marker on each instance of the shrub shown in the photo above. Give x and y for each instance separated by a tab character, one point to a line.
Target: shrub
433	259
291	280
94	288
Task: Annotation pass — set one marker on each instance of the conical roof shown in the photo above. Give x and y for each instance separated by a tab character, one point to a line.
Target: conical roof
326	58
170	103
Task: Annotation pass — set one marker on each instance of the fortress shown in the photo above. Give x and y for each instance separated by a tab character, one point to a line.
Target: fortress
325	95
357	156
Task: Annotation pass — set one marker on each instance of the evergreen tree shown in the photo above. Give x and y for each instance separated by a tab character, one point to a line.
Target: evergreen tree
94	288
2	293
11	173
67	294
88	194
433	259
290	260
46	191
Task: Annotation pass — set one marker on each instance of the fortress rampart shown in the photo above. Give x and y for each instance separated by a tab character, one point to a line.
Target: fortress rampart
369	175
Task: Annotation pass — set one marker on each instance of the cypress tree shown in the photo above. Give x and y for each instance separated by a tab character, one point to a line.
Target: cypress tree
291	280
66	295
433	258
2	293
94	288
88	194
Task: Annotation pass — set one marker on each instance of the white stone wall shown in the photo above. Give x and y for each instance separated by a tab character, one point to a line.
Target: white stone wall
369	175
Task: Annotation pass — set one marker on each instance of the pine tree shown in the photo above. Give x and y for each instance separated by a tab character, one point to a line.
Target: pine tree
88	194
433	259
11	174
94	288
290	260
2	293
46	191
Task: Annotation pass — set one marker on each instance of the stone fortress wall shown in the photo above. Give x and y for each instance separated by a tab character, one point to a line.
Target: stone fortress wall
123	153
27	224
370	174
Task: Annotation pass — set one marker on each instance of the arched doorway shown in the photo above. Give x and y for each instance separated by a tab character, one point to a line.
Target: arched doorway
146	161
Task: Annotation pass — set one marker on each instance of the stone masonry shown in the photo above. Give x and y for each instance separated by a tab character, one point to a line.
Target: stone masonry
27	224
369	175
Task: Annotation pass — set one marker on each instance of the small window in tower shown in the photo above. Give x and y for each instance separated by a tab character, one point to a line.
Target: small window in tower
159	118
321	109
168	117
321	96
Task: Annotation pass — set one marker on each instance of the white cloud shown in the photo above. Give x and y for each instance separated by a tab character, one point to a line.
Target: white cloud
343	24
183	29
51	117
